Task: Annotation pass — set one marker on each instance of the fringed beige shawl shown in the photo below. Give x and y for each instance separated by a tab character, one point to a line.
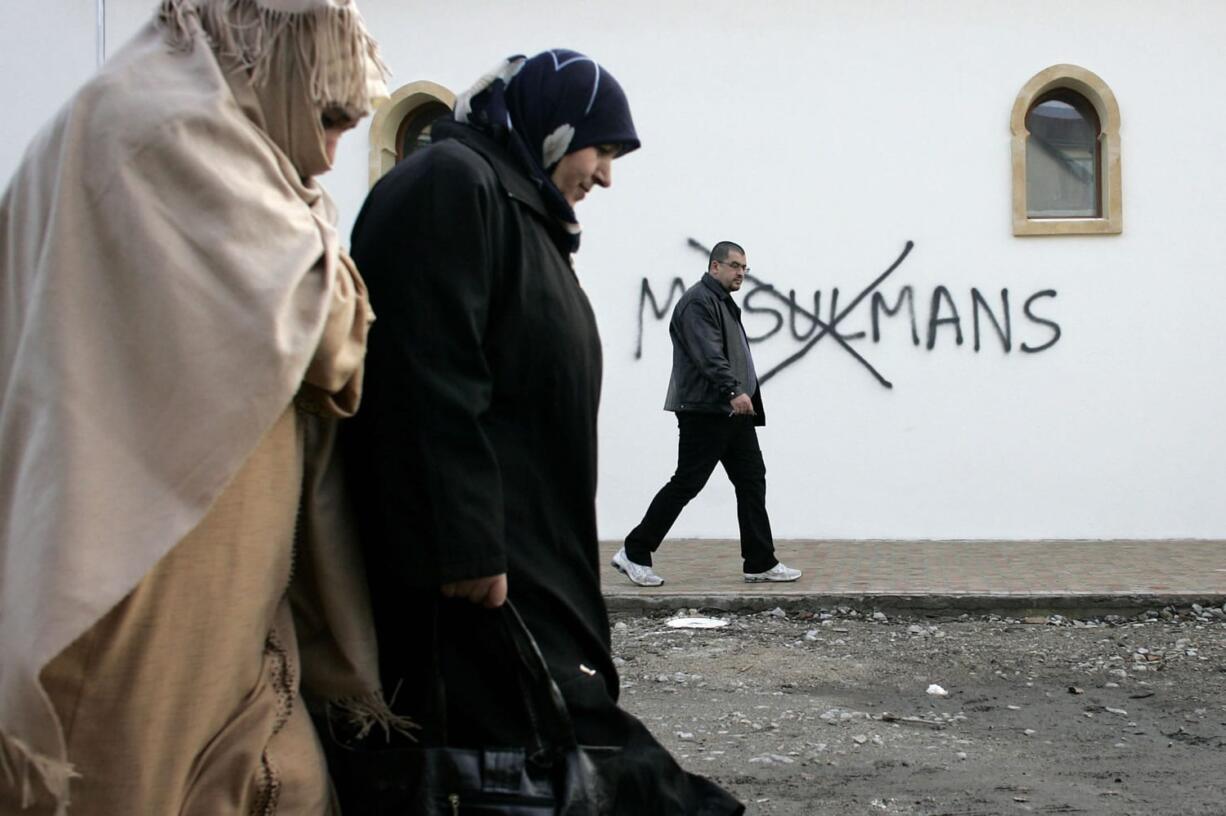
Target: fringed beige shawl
165	275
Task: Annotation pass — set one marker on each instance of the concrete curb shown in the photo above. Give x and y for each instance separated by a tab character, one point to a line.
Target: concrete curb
1071	605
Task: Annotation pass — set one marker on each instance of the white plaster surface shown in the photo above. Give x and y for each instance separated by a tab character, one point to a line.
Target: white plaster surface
822	136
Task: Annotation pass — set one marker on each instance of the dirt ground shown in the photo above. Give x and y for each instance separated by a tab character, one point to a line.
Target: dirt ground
831	712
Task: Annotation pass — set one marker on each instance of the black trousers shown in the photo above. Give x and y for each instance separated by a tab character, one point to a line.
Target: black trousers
707	440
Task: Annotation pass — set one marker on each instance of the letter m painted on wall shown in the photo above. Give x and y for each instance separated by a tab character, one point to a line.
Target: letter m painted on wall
648	297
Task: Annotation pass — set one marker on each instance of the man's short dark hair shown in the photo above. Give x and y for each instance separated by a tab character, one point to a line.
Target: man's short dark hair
720	251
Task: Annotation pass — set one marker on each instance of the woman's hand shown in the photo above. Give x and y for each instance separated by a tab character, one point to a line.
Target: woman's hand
490	591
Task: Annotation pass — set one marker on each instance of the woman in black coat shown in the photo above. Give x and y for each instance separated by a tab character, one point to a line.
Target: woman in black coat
473	459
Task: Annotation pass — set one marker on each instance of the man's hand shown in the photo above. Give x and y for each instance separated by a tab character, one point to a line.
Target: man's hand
742	405
490	591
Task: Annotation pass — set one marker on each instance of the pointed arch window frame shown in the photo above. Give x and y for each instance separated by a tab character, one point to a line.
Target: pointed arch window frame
1099	95
386	124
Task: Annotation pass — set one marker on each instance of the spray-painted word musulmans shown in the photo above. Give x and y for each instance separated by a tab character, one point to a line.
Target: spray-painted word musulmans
762	302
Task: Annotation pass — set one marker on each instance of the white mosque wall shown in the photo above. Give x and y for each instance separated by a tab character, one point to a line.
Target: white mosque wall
823	136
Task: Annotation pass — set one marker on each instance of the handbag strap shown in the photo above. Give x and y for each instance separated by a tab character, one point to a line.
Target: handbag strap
552	714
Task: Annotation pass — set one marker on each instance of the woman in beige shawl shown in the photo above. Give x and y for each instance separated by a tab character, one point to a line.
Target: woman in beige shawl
170	282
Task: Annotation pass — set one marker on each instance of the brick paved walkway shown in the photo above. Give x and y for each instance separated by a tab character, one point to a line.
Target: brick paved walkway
958	574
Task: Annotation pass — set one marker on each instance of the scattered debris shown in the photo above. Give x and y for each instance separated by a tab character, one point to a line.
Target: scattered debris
696	623
894	718
773	682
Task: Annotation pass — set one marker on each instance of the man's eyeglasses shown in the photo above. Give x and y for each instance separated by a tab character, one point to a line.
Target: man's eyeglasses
737	266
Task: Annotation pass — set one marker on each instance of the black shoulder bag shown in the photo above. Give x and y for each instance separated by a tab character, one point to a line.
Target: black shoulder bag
554	776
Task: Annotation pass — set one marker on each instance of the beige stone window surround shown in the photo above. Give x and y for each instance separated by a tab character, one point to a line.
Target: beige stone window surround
1095	91
385	126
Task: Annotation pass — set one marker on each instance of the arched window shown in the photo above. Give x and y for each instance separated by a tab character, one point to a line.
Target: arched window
402	124
414	131
1062	157
1066	155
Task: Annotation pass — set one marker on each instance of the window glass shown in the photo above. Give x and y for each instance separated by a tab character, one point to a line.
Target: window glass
414	131
1062	157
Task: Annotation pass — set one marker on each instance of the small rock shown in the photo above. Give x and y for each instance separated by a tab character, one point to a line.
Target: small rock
685	736
772	759
620	626
880	617
1075	690
1119	711
859	739
777	612
961	755
937	691
811	635
1029	732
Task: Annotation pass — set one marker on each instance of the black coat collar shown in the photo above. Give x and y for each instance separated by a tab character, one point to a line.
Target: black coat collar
723	294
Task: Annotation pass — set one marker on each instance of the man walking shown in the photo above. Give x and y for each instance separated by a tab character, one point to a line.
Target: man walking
714	392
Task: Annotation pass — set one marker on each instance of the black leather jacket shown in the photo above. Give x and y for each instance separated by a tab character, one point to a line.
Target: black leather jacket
710	353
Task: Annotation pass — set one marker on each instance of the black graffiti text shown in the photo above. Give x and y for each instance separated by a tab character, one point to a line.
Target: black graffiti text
987	318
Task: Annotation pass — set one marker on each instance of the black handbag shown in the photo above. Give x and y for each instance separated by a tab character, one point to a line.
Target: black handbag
553	776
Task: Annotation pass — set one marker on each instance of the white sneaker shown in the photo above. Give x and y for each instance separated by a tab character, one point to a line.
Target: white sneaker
637	573
780	572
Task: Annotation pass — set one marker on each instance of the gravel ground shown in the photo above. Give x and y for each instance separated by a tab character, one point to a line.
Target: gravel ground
850	712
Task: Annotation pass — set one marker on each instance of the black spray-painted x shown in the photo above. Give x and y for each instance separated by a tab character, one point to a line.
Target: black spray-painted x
824	329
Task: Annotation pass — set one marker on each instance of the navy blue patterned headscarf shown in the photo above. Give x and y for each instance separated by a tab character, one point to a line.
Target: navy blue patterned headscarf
542	108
